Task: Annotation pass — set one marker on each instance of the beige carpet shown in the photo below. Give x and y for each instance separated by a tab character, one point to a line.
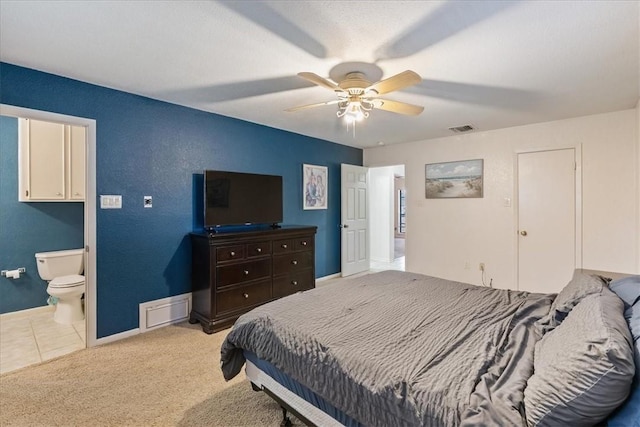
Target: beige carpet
167	377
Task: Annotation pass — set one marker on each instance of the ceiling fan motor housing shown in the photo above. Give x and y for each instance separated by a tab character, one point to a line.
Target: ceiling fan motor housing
355	83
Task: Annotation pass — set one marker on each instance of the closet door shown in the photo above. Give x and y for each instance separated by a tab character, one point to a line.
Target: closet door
546	220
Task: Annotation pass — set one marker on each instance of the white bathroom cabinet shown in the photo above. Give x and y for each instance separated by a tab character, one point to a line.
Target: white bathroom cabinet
51	162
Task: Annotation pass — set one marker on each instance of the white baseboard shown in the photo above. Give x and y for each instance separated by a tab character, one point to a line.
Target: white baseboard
165	311
21	314
331	276
118	337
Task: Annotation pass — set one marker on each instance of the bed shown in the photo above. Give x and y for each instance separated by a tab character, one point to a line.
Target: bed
404	349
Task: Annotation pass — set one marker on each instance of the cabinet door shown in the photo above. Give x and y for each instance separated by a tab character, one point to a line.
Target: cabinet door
46	161
77	139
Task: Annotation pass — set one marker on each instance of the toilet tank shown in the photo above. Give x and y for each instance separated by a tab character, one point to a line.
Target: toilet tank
60	263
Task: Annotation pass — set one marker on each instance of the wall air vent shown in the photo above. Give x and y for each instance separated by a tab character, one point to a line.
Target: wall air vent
461	129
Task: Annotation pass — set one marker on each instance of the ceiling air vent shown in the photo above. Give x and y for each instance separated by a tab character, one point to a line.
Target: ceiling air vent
461	129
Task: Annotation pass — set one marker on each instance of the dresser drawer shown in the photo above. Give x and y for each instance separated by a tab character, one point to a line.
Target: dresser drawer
281	246
238	298
229	253
292	283
258	249
295	261
302	243
243	272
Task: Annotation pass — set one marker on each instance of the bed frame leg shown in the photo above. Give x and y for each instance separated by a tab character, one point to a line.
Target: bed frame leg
286	421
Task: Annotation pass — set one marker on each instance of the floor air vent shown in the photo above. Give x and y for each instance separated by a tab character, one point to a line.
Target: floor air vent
461	129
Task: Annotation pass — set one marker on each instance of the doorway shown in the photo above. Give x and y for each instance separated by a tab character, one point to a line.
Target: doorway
548	218
90	327
400	214
388	217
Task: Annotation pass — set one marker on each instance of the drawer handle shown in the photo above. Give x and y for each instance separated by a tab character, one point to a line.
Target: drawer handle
294	262
259	250
232	253
294	282
303	243
284	246
246	272
245	296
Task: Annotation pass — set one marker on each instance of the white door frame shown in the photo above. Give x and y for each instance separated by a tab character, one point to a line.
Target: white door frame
90	275
578	201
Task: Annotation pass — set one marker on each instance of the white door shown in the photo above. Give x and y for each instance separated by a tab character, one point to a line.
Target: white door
546	220
355	219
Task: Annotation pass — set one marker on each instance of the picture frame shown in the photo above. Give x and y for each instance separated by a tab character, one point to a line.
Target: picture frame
314	187
454	180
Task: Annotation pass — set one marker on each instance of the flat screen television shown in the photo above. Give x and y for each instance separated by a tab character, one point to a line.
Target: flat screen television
236	198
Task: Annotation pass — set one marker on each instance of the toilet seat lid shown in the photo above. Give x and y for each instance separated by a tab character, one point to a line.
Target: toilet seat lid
67	281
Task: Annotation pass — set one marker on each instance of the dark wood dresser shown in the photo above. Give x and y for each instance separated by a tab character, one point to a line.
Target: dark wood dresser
233	272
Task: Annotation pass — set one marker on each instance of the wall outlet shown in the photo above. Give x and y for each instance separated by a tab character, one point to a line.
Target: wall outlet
148	201
482	266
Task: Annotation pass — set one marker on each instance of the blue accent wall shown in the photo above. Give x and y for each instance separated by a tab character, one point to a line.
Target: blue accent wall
27	228
147	147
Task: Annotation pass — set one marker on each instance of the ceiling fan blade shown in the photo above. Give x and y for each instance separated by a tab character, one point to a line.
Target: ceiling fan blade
319	104
320	81
397	107
399	81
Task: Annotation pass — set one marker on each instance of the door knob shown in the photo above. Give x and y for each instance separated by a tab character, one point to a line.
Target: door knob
344	225
523	233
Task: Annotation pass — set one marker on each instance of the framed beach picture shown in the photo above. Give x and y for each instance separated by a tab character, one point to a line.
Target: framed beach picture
461	179
314	187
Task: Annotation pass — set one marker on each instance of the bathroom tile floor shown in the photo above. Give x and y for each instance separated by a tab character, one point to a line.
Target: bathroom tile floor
28	340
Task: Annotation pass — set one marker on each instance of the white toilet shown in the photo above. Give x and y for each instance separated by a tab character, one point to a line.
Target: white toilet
63	269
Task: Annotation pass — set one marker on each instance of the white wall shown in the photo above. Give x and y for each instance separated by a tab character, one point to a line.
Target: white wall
447	233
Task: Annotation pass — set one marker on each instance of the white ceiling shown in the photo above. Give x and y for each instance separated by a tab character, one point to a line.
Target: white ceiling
489	64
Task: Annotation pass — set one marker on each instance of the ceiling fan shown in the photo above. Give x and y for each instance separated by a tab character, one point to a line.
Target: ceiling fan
357	95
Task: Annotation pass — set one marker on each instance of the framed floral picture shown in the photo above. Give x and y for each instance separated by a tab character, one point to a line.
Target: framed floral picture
314	187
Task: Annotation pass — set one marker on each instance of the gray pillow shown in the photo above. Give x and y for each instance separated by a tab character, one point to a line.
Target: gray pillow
628	289
583	368
581	285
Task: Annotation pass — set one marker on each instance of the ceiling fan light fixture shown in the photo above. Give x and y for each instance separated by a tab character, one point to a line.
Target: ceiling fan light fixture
353	111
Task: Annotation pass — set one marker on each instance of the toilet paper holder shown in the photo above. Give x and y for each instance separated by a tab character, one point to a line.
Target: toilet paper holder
13	274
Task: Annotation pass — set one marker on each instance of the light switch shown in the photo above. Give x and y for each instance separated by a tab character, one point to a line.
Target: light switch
110	201
506	202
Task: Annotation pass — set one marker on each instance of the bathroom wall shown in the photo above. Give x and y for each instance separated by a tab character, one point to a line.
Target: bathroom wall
27	228
146	147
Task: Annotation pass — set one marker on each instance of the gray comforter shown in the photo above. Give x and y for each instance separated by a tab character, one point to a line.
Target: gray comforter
396	348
